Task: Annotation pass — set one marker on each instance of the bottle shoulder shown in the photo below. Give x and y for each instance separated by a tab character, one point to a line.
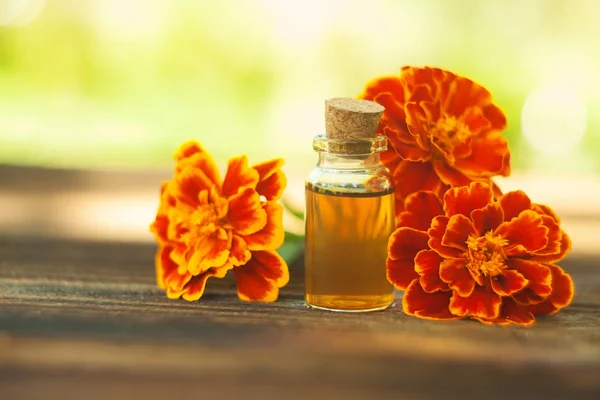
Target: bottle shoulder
374	179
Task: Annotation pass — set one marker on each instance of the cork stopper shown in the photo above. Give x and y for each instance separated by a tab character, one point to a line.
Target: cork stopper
347	118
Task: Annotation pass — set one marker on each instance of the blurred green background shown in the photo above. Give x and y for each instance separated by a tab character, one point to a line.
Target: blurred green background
120	83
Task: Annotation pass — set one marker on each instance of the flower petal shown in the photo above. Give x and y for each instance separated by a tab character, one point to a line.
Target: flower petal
465	94
450	175
511	313
488	218
561	296
565	247
405	243
386	84
193	154
489	156
194	289
482	303
188	183
455	273
271	236
272	180
209	252
261	277
239	254
403	246
525	233
420	208
246	214
508	282
421	304
554	237
539	277
463	200
458	230
164	264
411	177
427	265
514	203
436	233
239	175
400	273
409	152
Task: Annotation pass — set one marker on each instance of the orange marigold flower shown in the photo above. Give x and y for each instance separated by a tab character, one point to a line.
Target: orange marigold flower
476	256
443	131
206	226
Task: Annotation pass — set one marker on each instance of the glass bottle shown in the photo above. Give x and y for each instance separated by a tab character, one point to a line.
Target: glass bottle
349	212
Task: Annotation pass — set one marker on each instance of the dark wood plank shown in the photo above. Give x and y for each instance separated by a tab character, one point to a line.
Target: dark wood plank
80	317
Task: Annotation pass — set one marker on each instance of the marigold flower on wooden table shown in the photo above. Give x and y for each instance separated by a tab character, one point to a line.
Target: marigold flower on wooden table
443	130
206	226
476	256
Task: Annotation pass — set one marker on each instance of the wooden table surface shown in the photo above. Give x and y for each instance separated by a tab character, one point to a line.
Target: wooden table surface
82	320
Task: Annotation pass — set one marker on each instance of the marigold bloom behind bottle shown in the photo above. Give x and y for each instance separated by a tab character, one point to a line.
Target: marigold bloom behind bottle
349	212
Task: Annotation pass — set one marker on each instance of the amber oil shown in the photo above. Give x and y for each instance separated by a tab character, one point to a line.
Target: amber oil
349	212
346	241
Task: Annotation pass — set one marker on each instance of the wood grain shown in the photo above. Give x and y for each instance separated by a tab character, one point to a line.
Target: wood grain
85	320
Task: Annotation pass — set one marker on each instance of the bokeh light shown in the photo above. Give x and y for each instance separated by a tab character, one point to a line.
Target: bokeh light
554	119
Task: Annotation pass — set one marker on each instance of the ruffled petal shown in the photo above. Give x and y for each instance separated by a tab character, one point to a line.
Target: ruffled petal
489	156
525	233
427	265
164	265
554	237
511	313
545	210
481	303
211	251
195	287
403	246
419	303
456	275
538	276
386	84
465	94
160	228
450	175
420	208
400	273
261	277
563	290
411	177
405	243
239	253
565	247
488	218
239	175
495	116
458	230
409	152
436	233
271	236
463	200
508	282
188	184
514	203
246	214
192	154
272	180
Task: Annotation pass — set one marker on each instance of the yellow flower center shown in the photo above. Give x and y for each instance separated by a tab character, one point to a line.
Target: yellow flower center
205	220
485	254
448	132
208	219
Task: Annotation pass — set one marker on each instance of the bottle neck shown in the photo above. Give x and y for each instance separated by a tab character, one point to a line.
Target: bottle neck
348	161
